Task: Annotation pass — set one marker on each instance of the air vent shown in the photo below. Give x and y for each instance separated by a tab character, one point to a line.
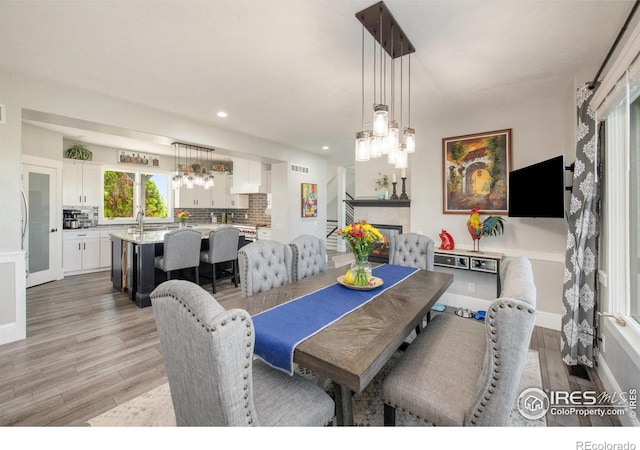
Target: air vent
299	169
3	114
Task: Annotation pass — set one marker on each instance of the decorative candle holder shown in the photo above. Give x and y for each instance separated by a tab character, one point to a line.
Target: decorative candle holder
403	195
394	196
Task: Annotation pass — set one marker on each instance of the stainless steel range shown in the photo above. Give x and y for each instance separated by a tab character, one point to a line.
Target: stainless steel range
249	232
254	232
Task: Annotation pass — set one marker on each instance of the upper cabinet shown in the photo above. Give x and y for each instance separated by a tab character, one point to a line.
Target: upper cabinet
248	177
219	196
81	183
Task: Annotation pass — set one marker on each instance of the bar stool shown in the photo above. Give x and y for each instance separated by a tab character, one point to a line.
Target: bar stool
181	251
223	247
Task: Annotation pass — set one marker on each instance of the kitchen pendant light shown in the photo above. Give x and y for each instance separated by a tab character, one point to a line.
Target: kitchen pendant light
409	133
386	136
375	146
194	172
402	160
362	146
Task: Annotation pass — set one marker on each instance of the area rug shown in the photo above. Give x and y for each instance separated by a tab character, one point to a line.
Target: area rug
154	408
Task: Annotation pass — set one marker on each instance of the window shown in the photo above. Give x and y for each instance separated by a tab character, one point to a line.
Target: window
122	196
622	201
634	210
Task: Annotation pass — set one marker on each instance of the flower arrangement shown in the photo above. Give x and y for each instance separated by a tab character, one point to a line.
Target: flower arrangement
382	182
183	216
361	238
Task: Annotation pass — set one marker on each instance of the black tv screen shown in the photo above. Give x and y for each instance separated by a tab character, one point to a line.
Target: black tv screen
538	190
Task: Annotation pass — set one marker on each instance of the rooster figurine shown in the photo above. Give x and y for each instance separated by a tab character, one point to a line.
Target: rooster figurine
491	226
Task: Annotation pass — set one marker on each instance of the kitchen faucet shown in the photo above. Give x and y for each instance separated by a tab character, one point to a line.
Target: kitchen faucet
140	219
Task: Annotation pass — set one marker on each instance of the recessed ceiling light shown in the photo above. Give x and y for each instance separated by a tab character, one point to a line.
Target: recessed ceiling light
222	114
325	147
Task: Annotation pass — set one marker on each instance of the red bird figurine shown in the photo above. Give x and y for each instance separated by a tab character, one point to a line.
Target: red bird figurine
447	240
491	226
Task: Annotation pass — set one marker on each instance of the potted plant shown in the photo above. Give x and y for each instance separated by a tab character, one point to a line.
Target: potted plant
382	184
78	151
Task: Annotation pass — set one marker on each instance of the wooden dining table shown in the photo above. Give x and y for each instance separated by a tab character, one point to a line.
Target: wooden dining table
352	350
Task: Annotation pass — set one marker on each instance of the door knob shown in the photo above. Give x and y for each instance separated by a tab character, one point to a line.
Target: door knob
53	230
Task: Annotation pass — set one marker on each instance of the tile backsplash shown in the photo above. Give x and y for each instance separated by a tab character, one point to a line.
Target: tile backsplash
88	216
254	215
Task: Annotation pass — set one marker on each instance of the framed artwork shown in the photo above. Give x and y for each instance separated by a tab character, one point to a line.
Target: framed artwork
475	170
309	200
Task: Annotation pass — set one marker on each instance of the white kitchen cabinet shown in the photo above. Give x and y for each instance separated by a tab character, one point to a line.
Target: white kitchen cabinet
81	183
219	196
248	177
192	198
80	251
218	193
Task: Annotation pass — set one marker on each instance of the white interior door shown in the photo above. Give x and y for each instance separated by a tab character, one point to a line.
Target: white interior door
41	224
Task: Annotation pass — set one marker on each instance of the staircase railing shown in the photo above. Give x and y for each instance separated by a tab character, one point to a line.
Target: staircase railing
334	229
349	211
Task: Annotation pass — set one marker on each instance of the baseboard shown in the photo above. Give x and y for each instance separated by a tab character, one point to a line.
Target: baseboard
543	319
10	332
610	385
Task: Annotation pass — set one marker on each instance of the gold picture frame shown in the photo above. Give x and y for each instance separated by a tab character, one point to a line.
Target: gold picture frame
475	170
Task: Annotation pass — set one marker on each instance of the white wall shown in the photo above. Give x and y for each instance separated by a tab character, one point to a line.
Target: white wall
539	133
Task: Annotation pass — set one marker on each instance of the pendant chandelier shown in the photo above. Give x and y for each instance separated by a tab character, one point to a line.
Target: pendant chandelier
195	169
386	136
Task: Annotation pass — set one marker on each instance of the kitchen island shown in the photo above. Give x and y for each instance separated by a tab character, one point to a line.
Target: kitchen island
132	261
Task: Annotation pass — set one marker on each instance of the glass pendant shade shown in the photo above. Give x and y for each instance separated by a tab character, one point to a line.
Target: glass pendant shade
402	158
391	156
375	146
362	146
392	138
410	139
380	120
176	181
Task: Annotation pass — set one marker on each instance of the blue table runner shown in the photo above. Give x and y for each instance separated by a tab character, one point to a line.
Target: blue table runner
280	329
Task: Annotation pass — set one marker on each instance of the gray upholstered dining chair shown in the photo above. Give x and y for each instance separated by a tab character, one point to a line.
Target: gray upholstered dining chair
223	247
263	266
465	372
181	251
309	256
411	250
213	377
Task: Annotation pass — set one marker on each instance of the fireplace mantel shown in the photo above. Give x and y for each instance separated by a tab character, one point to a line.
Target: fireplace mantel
379	203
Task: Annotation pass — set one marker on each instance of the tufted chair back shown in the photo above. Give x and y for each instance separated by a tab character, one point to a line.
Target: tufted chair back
213	377
309	256
263	266
223	245
411	250
207	353
509	324
181	250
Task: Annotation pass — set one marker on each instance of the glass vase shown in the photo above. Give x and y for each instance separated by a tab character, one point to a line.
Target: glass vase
361	270
183	224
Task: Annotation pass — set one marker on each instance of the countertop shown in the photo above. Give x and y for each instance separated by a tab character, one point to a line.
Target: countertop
157	236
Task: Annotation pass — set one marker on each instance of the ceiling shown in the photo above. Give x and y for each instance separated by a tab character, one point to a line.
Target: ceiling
290	71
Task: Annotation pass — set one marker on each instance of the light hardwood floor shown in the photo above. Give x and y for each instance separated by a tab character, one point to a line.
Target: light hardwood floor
89	349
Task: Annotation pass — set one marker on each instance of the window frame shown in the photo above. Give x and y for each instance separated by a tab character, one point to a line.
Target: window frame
136	196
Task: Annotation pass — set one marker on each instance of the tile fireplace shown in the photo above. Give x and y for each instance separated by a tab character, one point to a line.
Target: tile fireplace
381	252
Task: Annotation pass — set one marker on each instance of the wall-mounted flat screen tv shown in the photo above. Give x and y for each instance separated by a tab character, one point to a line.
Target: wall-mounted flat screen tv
538	190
